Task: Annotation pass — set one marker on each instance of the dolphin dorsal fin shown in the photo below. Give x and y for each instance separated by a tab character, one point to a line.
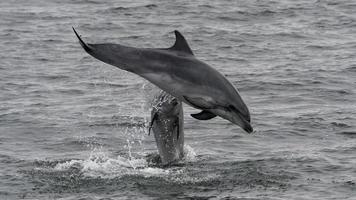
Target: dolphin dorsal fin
181	44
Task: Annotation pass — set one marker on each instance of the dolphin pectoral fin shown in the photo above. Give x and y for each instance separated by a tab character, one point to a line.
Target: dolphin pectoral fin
203	104
204	115
82	43
181	44
199	103
149	130
151	123
176	125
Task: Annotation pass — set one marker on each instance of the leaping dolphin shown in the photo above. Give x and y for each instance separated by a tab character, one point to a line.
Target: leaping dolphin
176	71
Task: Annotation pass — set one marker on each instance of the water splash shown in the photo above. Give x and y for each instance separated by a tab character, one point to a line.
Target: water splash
101	164
189	154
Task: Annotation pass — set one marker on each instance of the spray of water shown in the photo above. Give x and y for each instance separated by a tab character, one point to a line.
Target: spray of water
103	163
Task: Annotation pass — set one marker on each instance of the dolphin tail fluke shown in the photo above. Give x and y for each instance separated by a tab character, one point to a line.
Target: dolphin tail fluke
82	43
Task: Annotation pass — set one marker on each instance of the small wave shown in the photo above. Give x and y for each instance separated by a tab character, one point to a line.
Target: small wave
320	47
87	2
151	6
118	124
350	183
6	159
245	15
119	121
349	134
340	125
351	68
54	77
106	84
91	141
70	91
258	13
205	6
121	8
293	35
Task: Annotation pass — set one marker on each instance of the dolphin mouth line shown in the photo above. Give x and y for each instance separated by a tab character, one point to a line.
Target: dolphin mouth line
245	120
246	124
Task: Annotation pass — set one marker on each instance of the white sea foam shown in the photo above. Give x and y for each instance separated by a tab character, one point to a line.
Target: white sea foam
189	154
100	164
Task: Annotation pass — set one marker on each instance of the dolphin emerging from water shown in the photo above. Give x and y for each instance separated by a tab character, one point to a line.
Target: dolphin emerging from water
176	71
167	126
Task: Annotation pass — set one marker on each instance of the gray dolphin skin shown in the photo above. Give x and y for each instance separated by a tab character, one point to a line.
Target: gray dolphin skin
167	127
176	71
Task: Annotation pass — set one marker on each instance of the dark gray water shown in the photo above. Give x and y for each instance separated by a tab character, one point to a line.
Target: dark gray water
72	127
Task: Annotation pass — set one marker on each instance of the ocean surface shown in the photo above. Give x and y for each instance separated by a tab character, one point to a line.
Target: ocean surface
72	127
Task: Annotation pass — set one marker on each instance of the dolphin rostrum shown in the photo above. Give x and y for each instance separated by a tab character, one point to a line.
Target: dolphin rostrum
167	127
176	71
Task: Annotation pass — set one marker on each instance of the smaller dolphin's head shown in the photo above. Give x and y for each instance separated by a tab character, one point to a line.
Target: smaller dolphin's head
168	107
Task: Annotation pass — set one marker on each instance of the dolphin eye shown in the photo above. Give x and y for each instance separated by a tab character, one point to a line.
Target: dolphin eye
231	107
174	102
